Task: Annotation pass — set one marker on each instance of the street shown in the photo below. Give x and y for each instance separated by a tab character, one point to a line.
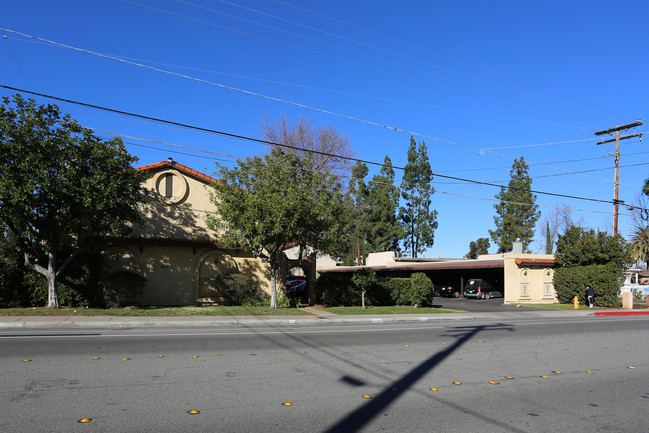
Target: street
536	375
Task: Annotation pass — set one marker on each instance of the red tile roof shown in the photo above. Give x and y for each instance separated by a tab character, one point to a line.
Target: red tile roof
537	262
171	163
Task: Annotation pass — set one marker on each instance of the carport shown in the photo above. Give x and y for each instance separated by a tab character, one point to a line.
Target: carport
521	277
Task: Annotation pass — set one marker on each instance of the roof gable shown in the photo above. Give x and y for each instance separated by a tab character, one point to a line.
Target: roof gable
170	163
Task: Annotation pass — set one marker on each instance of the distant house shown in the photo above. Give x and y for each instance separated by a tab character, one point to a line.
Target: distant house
174	250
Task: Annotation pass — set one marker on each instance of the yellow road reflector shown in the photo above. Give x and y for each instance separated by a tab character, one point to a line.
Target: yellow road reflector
365	347
479	341
272	351
434	389
321	350
125	359
82	420
288	403
195	356
545	377
193	412
27	360
493	382
509	377
219	354
457	383
161	356
630	366
407	345
540	337
590	372
96	357
557	372
303	351
367	396
444	342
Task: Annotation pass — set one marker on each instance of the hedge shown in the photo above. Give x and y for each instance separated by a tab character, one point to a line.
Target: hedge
606	280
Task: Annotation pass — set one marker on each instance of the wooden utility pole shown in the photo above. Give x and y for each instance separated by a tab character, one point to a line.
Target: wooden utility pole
618	137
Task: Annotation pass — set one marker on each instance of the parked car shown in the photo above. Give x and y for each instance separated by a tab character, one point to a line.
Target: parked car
295	285
448	290
481	289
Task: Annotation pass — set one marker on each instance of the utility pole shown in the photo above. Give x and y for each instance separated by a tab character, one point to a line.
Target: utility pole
617	130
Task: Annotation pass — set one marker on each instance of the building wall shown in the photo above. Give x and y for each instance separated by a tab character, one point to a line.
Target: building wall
529	282
177	261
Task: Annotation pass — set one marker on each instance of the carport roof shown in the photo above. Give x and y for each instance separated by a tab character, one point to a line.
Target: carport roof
437	266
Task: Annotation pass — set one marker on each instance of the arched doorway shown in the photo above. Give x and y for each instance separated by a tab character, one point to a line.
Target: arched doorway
210	270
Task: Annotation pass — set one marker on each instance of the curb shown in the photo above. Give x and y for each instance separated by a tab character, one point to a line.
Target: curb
623	313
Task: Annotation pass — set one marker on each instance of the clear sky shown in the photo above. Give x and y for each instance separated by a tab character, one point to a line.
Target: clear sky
481	82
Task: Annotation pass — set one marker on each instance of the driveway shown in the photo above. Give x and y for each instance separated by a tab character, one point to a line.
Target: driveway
477	305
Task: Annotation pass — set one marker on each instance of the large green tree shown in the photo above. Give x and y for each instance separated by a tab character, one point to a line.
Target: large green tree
517	212
476	248
383	228
59	184
266	202
417	219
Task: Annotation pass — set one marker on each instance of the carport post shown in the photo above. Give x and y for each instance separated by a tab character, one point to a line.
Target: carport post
461	287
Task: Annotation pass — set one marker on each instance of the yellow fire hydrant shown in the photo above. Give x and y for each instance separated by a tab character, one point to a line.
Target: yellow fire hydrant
575	303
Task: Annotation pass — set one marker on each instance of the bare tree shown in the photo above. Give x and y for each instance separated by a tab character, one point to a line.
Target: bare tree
558	221
331	147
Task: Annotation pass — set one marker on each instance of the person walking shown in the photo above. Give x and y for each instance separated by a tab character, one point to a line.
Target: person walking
590	296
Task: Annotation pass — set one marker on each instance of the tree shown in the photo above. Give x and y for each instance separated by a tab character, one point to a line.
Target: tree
59	184
479	247
639	245
364	279
383	228
356	210
556	222
517	212
264	203
329	149
581	247
417	219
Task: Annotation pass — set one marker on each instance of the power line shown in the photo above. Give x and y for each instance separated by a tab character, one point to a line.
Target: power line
450	58
364	55
479	150
241	137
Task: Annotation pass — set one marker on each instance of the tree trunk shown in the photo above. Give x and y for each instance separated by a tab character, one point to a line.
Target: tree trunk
274	267
363	299
52	286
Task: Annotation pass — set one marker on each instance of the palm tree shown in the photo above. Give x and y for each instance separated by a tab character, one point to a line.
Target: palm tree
640	244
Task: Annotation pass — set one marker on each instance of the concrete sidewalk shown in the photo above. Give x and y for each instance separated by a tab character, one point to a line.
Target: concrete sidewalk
317	317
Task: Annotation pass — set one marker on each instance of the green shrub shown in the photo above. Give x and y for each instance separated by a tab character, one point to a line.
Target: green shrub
121	288
421	290
395	290
605	279
240	288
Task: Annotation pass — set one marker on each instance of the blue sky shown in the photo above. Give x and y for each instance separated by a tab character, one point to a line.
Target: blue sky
481	82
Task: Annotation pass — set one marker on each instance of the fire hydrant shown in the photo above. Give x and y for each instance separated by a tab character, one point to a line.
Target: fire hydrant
575	303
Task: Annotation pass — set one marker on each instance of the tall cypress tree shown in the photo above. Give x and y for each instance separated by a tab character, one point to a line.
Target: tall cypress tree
517	212
356	204
383	228
417	219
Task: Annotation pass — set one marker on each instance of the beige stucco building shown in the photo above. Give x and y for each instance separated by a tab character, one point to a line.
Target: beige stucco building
522	278
174	249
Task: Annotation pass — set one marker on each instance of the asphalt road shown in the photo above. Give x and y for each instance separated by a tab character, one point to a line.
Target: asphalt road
572	374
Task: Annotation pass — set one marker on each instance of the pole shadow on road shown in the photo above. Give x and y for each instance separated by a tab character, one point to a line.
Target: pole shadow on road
362	416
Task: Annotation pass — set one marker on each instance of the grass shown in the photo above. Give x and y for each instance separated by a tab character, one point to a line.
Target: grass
154	311
385	310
